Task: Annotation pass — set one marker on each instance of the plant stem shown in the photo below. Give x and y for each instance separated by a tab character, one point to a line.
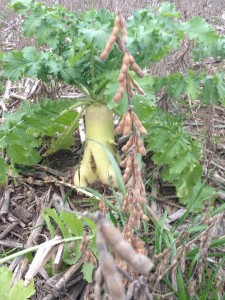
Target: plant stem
46	244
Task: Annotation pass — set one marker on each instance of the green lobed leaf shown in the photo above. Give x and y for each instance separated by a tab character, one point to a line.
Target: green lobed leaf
210	93
17	291
73	223
221	87
87	270
198	28
3	171
21	6
192	86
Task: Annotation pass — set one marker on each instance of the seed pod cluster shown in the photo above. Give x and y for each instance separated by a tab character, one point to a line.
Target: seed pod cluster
124	80
138	262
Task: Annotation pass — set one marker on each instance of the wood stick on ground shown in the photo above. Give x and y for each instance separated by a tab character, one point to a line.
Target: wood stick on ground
19	97
8	86
65	278
5	203
8	229
45	251
11	244
34	233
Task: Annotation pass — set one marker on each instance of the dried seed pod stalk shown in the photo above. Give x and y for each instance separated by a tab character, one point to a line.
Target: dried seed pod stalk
138	262
111	277
135	198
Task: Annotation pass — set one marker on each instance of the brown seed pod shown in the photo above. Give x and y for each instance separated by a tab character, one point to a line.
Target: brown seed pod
129	144
111	40
121	77
139	141
142	130
129	89
115	32
99	281
122	87
124	250
135	67
138	124
103	56
141	200
141	150
112	278
120	45
125	178
128	171
129	162
136	86
123	163
128	123
124	68
126	59
132	60
117	97
139	246
120	126
138	70
123	29
117	21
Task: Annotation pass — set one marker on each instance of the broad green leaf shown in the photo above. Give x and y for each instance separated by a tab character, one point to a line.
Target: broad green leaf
49	224
169	10
175	85
5	281
3	171
221	87
20	6
65	140
198	28
72	222
210	93
18	291
192	87
186	160
14	64
87	270
52	214
31	24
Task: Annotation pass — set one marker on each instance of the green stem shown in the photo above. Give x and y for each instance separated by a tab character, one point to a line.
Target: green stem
35	248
